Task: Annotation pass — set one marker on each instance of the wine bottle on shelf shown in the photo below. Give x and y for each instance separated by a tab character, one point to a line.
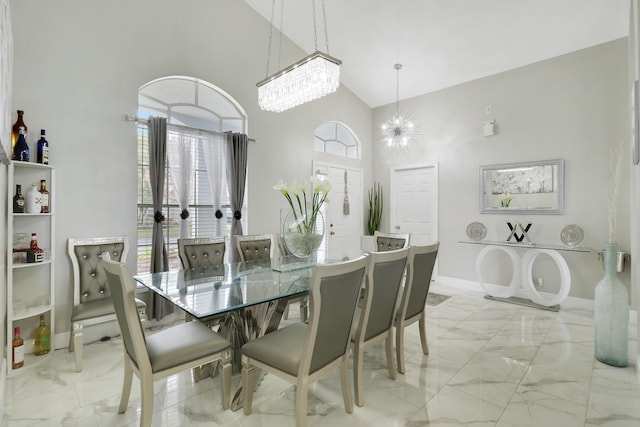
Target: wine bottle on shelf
17	359
34	253
44	197
21	149
33	200
42	343
18	200
15	130
42	154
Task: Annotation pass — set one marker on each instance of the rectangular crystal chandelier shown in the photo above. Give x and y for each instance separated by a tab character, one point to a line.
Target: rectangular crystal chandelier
310	78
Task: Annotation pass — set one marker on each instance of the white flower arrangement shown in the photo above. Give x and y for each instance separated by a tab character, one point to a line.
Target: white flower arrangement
304	211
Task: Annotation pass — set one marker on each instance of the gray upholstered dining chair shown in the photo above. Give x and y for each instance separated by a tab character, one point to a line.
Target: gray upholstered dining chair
374	319
302	353
411	308
91	298
254	247
164	353
202	253
391	241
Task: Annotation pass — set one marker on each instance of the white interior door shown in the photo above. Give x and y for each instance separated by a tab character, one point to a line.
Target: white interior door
344	230
414	202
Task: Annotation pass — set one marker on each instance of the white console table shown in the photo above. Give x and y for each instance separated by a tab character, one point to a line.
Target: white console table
522	272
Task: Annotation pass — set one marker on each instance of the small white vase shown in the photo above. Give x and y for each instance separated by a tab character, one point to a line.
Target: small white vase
33	200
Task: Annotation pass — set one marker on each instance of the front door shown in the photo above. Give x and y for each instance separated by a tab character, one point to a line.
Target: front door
343	212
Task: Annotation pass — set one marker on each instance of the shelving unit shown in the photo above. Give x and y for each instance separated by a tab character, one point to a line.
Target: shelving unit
30	286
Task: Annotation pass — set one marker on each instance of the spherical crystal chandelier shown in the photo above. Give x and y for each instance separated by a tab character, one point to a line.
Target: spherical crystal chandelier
399	131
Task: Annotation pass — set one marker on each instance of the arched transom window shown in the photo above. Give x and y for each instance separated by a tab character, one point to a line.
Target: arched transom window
336	138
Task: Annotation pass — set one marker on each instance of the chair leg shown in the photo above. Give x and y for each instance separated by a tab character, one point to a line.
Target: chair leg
248	386
146	407
346	387
388	342
302	391
358	356
400	346
285	315
126	386
423	333
226	382
77	345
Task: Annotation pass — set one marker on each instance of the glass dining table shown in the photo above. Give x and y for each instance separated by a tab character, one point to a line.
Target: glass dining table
246	299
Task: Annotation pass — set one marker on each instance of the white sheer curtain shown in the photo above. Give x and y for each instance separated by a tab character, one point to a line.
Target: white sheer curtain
181	142
215	155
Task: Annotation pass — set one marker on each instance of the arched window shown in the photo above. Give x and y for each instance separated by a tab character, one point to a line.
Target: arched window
200	111
336	138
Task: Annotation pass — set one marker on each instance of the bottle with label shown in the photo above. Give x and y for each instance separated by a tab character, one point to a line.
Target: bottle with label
34	253
18	200
44	197
15	130
21	149
17	359
33	200
42	155
42	343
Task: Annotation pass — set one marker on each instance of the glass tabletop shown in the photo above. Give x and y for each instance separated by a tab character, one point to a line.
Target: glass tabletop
206	292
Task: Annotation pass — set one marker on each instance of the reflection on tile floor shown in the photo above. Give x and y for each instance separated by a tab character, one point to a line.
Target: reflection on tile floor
490	364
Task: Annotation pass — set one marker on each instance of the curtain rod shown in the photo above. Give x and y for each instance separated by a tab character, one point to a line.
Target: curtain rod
134	118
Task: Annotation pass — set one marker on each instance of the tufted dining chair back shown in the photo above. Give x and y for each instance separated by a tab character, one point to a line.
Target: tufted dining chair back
391	241
92	302
202	252
254	247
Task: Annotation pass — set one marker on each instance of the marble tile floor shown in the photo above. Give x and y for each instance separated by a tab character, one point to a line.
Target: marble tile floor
490	364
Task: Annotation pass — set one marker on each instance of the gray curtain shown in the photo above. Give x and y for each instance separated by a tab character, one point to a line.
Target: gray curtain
237	145
157	163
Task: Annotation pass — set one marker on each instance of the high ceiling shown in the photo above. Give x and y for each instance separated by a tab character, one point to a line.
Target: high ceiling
441	43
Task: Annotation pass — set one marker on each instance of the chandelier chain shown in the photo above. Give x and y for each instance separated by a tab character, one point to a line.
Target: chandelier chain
326	33
315	32
273	8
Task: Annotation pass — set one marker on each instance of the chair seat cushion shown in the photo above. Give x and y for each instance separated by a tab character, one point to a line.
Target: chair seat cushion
96	308
281	349
183	343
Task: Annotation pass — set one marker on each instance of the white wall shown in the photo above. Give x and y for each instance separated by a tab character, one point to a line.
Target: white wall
78	66
572	107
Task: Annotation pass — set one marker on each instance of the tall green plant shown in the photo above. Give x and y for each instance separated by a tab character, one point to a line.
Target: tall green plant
375	208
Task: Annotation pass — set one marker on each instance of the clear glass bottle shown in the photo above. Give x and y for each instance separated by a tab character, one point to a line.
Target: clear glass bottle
34	253
15	130
33	200
42	153
44	197
611	313
18	200
42	343
17	357
21	149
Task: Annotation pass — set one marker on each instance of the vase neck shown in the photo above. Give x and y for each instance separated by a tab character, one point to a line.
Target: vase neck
610	258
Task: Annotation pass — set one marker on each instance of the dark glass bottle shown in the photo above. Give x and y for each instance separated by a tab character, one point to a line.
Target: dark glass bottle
18	200
15	130
21	150
42	155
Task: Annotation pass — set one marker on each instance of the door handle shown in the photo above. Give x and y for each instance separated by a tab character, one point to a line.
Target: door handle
332	233
398	227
